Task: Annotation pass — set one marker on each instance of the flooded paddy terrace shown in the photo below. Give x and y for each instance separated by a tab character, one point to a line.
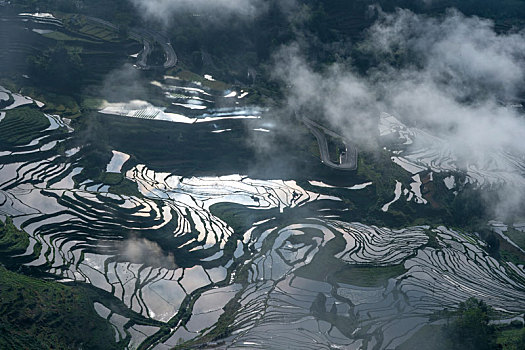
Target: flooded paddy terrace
227	259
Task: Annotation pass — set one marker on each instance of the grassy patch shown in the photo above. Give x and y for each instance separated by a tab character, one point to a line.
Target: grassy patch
21	125
516	236
92	103
99	32
38	314
12	240
512	339
66	108
54	103
15	242
221	330
325	267
118	184
60	36
513	257
380	169
368	276
111	178
432	239
190	76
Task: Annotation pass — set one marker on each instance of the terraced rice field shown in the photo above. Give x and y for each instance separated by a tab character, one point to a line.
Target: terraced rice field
232	260
432	153
186	102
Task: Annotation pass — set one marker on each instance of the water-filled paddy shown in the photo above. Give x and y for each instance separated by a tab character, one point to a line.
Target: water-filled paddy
430	152
260	262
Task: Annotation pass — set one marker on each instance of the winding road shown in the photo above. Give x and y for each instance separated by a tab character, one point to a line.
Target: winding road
147	37
347	159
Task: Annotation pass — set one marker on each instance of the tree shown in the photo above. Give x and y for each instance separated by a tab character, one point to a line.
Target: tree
519	342
492	245
470	329
59	67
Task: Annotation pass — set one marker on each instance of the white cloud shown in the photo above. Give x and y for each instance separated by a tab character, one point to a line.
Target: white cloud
345	99
464	54
451	77
463	70
164	9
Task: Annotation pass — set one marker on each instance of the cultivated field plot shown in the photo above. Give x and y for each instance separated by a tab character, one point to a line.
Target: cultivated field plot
192	259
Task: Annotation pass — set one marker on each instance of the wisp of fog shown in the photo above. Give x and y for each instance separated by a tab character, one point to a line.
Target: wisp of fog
453	76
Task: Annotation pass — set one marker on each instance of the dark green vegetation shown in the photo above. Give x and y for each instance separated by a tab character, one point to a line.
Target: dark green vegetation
325	267
335	147
60	65
516	236
54	103
66	60
231	52
12	240
468	328
39	314
371	276
20	126
220	331
512	338
119	184
44	314
15	242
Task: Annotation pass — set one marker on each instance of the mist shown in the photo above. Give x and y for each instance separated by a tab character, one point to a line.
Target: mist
143	251
347	101
124	84
164	10
453	77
